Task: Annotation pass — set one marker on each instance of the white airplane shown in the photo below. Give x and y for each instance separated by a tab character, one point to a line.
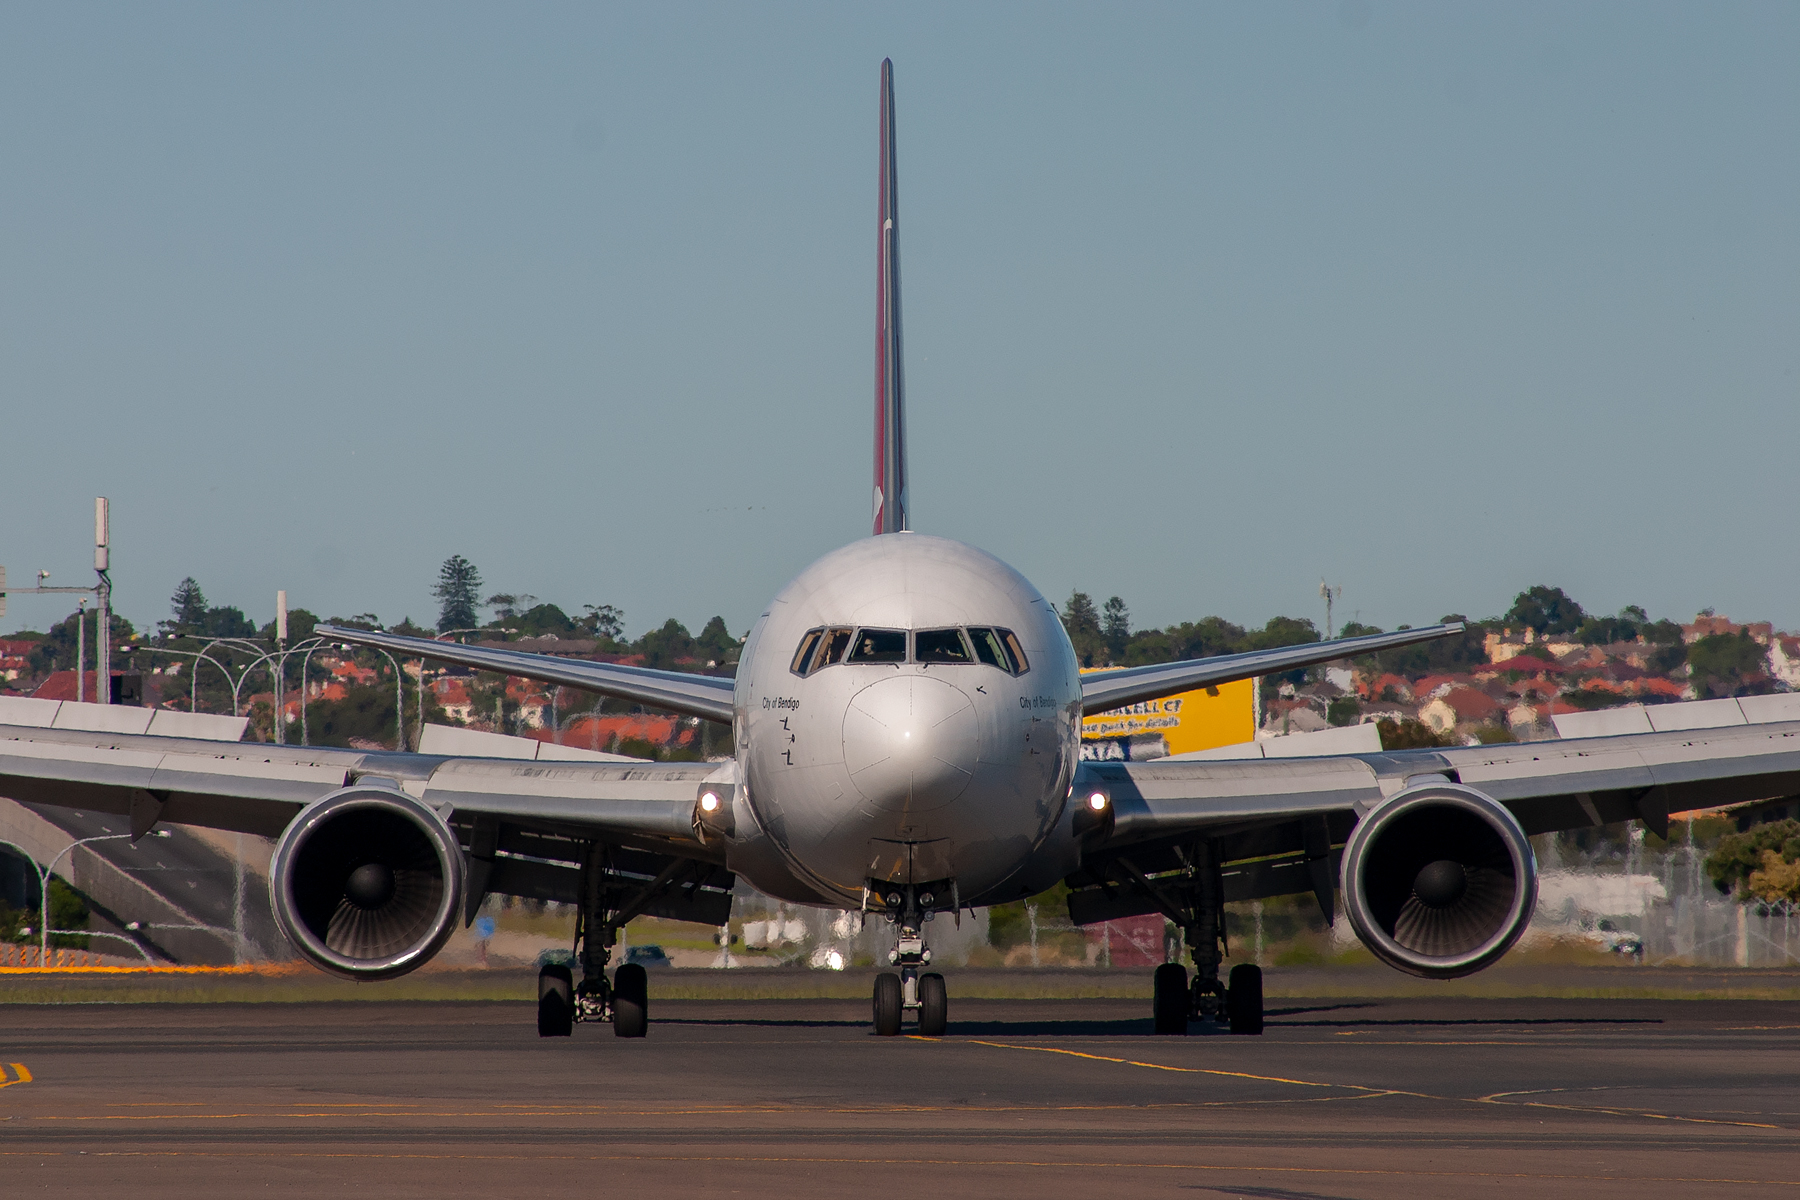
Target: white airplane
906	718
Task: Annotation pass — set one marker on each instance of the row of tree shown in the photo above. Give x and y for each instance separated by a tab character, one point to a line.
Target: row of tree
1718	665
670	647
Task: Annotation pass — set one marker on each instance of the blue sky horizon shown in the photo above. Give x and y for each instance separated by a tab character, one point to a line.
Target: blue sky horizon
1202	302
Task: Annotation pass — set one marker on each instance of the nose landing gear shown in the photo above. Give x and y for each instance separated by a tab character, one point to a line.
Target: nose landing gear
908	990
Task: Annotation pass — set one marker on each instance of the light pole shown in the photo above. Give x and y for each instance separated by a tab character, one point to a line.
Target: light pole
193	679
399	697
419	736
399	690
103	602
234	936
44	874
243	644
81	650
306	659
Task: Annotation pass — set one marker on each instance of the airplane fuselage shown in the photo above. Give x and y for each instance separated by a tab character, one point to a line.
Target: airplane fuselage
908	711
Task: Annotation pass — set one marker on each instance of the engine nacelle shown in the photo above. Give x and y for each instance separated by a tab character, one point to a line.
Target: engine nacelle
367	882
1439	880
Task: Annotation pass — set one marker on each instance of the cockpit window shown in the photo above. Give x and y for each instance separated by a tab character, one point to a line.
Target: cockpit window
832	647
837	644
940	646
990	649
999	648
820	648
879	646
803	656
1020	665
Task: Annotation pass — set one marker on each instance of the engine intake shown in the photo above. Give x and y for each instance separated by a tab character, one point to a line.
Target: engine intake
1439	880
367	882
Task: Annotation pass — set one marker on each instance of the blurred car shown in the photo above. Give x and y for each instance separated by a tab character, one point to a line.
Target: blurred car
647	956
1609	937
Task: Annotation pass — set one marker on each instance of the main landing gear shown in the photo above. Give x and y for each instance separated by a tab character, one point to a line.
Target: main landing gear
625	1000
1201	908
895	993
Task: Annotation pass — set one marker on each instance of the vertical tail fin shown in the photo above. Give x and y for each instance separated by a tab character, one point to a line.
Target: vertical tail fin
890	408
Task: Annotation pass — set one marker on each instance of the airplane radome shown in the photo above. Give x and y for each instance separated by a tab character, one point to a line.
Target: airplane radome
905	723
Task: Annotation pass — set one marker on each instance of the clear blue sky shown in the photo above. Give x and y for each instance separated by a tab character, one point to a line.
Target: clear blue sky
1202	301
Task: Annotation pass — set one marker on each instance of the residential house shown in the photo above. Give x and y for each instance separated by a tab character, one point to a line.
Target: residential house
1458	707
1707	625
1526	666
348	672
604	733
60	685
453	697
1524	717
15	657
1433	686
1784	659
1388	687
531	698
1509	643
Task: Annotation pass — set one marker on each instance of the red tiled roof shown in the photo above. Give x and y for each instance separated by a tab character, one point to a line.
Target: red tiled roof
526	691
61	686
1402	687
451	691
1471	705
598	733
349	670
1431	683
1524	664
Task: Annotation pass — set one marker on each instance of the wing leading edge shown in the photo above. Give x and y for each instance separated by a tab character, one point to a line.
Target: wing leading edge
704	696
255	787
1116	689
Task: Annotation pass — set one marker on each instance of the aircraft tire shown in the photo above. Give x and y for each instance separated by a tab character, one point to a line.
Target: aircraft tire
1169	1003
1244	999
631	1001
556	1001
887	1005
934	1006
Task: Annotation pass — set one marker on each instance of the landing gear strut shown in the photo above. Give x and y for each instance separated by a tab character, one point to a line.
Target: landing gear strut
624	1000
908	989
1198	903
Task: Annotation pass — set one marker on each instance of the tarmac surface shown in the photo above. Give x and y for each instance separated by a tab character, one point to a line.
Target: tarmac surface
796	1098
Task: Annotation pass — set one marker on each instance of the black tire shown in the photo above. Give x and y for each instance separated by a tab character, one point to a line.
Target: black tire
887	1005
556	1002
1169	1002
631	1001
1243	999
934	1006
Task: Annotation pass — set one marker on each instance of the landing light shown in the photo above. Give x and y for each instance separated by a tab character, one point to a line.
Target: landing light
1097	802
709	802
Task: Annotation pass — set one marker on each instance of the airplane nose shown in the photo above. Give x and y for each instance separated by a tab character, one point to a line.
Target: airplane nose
911	743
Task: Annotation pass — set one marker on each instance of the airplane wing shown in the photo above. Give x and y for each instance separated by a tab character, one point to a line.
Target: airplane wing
704	696
1280	825
524	824
1115	689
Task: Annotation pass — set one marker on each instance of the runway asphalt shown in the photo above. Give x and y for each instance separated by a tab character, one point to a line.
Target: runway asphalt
1362	1098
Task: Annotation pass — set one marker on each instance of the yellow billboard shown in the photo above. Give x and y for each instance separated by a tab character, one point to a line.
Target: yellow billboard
1198	720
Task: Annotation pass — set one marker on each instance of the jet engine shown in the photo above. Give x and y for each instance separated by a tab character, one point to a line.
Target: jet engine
367	882
1439	880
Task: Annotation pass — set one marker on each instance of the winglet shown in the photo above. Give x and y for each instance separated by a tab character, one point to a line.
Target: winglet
890	408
